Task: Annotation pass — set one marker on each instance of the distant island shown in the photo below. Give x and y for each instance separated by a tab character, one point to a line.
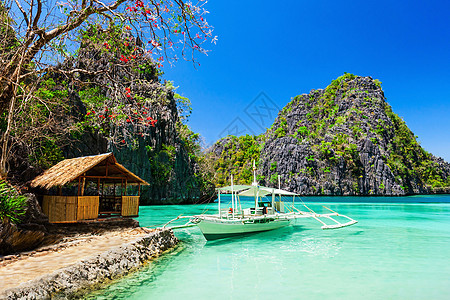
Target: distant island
341	140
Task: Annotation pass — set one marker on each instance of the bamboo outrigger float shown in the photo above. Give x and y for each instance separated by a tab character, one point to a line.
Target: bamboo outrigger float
265	215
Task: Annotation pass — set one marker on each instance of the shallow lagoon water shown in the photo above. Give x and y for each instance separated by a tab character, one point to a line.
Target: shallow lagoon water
400	249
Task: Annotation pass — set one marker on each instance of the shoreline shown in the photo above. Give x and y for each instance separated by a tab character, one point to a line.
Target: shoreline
86	264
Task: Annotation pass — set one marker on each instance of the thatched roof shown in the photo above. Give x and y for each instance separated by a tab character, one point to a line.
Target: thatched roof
103	166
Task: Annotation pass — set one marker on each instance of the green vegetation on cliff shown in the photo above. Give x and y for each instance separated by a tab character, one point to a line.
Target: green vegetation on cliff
342	140
235	158
408	160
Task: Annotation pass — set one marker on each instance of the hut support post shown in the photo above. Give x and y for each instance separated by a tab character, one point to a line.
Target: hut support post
139	189
82	186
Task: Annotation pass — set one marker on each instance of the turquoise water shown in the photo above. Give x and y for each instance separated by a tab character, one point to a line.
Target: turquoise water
400	249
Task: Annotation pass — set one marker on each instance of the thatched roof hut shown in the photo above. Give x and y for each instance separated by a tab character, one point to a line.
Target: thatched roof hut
101	169
103	166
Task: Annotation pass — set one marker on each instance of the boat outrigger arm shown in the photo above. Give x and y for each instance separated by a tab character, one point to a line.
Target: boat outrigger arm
276	210
194	220
265	215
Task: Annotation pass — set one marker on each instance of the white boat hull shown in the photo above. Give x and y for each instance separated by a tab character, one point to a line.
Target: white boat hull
218	229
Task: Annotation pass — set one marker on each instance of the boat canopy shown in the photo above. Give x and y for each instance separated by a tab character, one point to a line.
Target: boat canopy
234	188
256	191
252	190
284	193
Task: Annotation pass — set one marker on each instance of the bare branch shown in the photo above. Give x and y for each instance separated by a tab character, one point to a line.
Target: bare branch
25	17
38	14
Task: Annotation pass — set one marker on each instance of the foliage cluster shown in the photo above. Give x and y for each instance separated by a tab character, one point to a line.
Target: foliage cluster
12	205
237	159
41	121
162	163
191	142
408	159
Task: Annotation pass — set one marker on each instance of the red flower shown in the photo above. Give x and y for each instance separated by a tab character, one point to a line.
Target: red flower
127	27
144	112
128	120
123	141
128	90
88	113
100	116
154	43
126	44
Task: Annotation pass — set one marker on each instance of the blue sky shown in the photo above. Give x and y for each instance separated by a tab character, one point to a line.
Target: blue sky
286	48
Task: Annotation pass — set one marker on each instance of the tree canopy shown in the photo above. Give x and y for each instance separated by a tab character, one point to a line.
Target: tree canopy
40	39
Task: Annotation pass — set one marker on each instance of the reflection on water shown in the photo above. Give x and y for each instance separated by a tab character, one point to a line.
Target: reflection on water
396	251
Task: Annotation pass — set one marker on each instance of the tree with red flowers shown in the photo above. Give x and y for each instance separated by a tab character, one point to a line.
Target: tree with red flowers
43	37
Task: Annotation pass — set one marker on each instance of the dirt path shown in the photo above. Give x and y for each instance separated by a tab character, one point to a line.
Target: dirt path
16	270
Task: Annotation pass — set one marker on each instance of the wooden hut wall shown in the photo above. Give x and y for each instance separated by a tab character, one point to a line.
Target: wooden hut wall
70	208
87	207
60	208
130	206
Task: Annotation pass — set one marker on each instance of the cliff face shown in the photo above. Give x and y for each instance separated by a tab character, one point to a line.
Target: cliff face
345	140
160	155
165	154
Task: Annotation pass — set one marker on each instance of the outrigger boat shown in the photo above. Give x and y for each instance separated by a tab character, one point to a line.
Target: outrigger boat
266	215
